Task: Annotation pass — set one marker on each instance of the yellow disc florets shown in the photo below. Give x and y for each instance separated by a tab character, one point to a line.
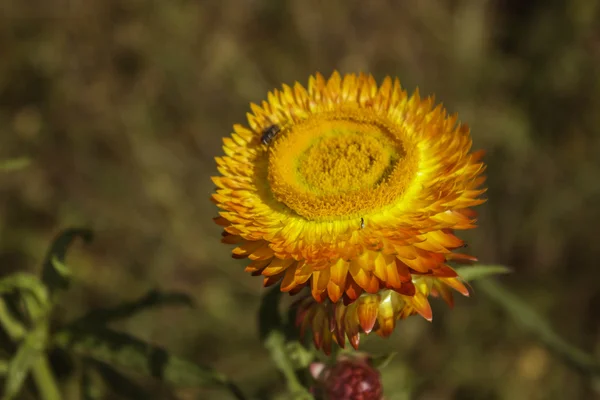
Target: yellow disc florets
341	164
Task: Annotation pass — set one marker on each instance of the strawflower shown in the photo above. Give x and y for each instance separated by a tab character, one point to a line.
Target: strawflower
354	190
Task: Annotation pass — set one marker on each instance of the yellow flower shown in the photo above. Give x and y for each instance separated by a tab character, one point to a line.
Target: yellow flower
350	188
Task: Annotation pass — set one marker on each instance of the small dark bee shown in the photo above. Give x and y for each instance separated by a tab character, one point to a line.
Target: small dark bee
269	134
362	223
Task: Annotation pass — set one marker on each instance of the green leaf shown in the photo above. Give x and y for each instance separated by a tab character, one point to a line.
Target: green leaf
382	361
55	274
25	282
118	383
154	298
275	343
13	327
14	164
531	321
300	357
476	272
60	267
37	312
44	379
272	333
27	354
125	351
269	317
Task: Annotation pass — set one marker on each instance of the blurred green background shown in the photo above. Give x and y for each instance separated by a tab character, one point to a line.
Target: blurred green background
121	106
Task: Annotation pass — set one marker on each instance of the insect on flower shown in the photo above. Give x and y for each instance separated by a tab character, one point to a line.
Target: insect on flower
269	134
362	223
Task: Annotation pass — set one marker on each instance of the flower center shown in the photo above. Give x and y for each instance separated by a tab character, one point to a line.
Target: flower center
341	163
345	159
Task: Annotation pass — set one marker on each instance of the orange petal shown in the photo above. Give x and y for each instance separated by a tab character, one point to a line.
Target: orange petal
319	282
248	248
461	258
334	291
288	282
457	285
407	289
373	285
403	271
444	271
339	331
221	221
362	277
271	280
277	266
386	320
339	271
393	278
446	238
352	291
261	253
421	305
380	267
303	271
367	309
351	327
228	238
257	266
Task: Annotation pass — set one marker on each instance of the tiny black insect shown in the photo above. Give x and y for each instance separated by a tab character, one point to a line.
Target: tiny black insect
362	223
269	133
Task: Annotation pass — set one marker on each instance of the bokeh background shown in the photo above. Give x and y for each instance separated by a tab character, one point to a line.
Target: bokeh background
121	106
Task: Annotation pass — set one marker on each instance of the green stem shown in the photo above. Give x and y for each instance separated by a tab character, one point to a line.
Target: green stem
13	327
44	380
531	321
275	343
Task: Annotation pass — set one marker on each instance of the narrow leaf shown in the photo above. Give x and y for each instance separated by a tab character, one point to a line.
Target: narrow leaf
13	327
25	282
525	316
45	380
18	369
55	274
154	298
125	351
60	267
476	272
382	361
35	310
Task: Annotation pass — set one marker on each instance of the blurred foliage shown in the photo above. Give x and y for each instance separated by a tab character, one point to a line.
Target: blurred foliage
120	106
26	319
